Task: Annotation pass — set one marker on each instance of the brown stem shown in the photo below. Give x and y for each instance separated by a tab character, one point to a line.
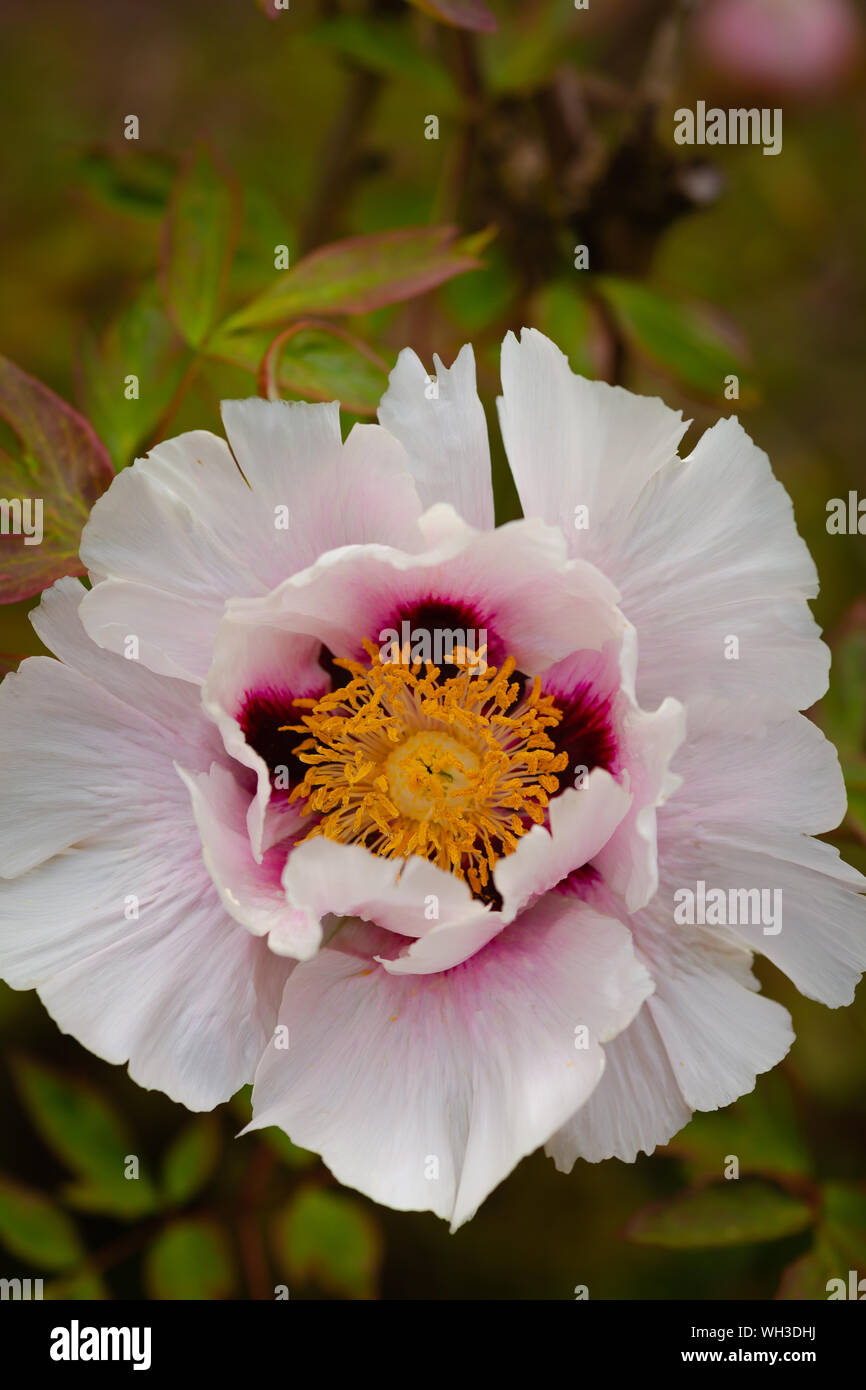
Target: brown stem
339	162
254	1257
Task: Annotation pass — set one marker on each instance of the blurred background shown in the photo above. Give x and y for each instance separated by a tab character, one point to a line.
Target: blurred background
504	137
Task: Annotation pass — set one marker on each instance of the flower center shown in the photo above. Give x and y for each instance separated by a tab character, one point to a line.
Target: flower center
426	771
404	762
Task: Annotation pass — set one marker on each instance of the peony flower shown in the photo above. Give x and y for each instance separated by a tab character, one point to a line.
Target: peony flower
796	48
336	788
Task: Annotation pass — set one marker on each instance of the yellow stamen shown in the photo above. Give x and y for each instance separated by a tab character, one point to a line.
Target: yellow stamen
453	770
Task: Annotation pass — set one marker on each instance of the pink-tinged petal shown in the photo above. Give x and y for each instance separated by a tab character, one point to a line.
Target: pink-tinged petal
578	443
251	892
410	897
538	605
603	726
443	429
121	930
184	529
446	945
629	858
250	663
424	1092
581	823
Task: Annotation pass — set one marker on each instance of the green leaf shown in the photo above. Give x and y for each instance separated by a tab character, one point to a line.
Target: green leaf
275	1138
331	1240
843	1217
62	465
840	1246
355	276
190	1259
199	239
385	47
36	1230
83	1130
141	342
138	184
523	54
318	361
728	1213
567	316
287	1152
677	337
463	14
842	711
760	1129
191	1159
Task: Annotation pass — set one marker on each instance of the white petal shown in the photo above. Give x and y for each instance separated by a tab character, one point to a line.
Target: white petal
702	549
445	437
636	1106
581	823
573	442
324	877
699	1042
756	780
710	552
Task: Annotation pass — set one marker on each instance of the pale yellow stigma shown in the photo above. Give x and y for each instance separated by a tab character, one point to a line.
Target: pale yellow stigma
428	771
405	763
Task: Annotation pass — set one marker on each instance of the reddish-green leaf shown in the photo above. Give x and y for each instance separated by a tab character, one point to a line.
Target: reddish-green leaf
199	240
60	467
463	14
357	275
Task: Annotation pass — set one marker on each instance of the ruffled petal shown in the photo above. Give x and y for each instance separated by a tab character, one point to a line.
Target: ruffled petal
184	529
424	1092
541	605
703	549
108	909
